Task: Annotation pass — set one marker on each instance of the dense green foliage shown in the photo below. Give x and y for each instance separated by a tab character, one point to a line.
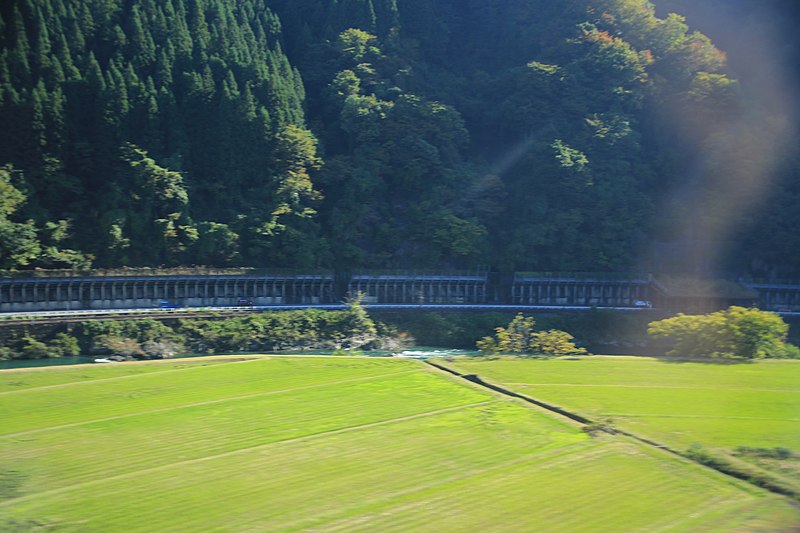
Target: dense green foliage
452	329
736	332
156	133
527	134
355	444
521	337
305	329
599	330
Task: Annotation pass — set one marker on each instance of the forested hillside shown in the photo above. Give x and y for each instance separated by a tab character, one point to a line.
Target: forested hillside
150	132
517	134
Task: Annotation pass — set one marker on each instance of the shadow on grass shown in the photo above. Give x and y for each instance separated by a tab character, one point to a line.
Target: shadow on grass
705	360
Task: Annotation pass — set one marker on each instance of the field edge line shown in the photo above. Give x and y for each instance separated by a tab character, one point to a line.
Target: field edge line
765	482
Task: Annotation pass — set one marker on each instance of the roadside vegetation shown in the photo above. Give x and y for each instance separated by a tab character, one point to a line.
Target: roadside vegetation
736	333
306	329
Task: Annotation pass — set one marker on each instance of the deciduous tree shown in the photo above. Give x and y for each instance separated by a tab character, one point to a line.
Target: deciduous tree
736	332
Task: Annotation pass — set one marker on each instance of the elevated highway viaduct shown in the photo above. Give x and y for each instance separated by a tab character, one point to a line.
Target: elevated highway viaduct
405	290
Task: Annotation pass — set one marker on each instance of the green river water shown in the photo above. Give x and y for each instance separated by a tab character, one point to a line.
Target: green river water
419	352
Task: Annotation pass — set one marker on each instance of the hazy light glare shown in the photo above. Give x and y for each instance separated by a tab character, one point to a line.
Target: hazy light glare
740	151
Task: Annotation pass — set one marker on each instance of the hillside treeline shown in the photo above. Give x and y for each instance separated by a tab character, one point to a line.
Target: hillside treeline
521	134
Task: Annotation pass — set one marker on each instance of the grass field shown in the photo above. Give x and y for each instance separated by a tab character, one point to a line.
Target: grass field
331	444
721	406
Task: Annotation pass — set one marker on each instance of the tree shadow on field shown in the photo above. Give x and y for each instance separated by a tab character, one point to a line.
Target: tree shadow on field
722	361
11	482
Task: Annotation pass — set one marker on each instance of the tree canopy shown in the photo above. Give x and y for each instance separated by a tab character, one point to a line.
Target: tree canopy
524	134
736	332
521	337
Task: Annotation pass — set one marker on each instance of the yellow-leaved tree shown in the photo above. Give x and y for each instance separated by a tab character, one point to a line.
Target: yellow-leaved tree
522	338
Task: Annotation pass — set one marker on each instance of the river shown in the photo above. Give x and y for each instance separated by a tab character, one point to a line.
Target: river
418	352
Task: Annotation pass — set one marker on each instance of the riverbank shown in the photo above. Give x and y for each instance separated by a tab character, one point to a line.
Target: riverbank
416	352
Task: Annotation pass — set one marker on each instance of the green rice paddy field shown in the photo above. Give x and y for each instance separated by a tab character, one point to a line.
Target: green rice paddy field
333	444
718	406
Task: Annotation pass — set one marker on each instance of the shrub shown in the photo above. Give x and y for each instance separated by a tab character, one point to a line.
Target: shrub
113	345
31	348
770	453
555	343
521	338
301	329
66	345
787	351
736	332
